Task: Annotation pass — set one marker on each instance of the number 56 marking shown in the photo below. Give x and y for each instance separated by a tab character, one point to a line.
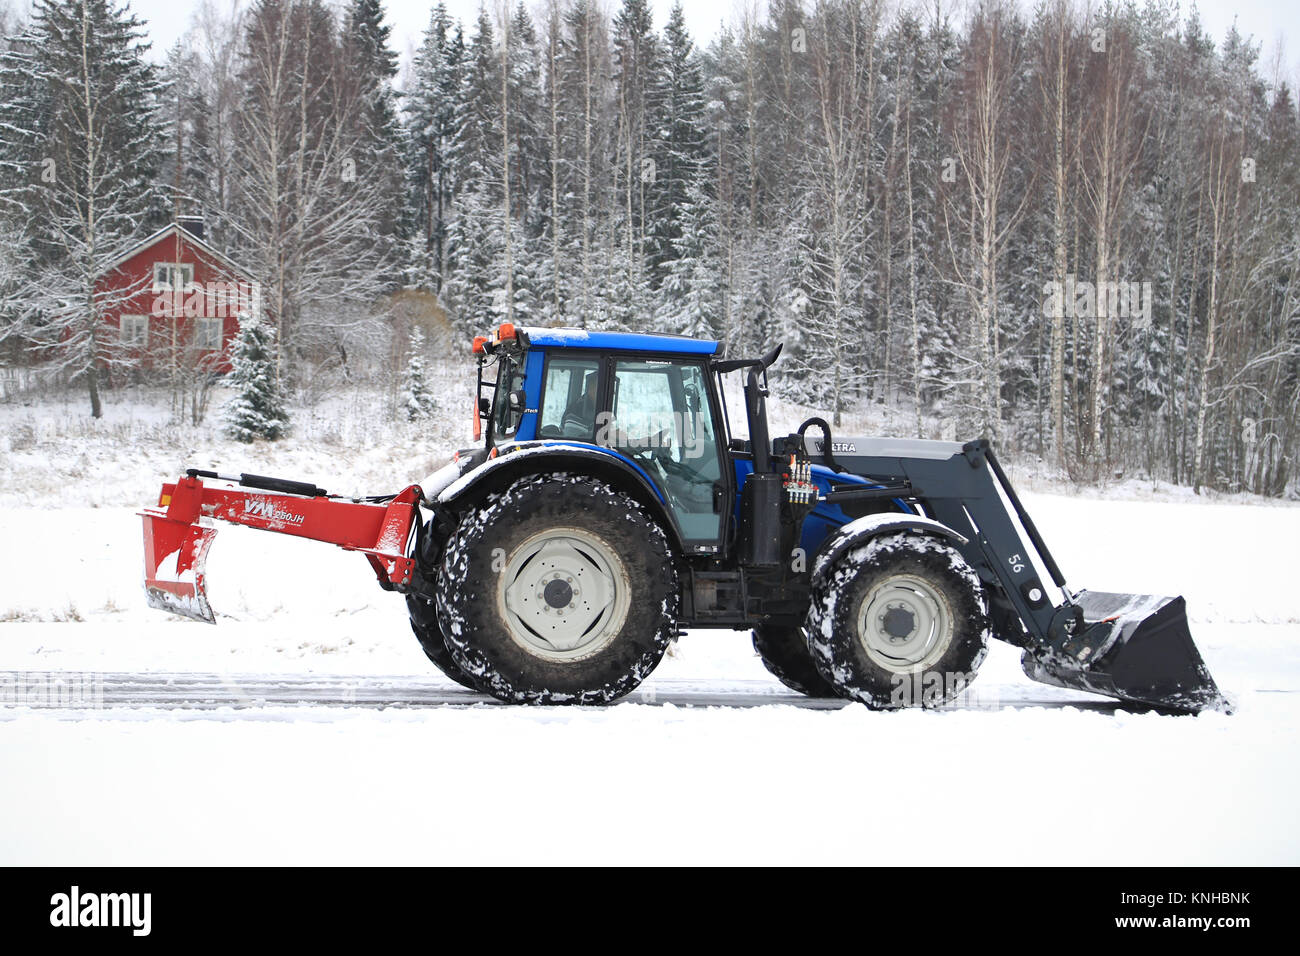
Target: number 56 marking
1017	563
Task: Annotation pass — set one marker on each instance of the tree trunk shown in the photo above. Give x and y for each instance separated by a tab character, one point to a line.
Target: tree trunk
505	163
92	381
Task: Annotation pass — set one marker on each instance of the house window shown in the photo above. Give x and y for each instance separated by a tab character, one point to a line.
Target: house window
135	330
207	332
172	276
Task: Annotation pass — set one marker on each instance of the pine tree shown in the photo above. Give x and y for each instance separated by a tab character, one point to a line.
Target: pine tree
692	296
475	290
257	410
433	105
477	240
478	123
635	57
584	127
678	145
530	172
369	68
184	114
417	395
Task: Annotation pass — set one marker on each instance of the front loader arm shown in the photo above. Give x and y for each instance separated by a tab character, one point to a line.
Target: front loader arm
178	533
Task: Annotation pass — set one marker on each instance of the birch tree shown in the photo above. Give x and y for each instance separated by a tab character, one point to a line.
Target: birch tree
984	146
81	152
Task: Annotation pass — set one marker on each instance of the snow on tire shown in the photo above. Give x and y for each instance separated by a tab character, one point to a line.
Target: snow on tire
899	622
560	590
424	622
784	652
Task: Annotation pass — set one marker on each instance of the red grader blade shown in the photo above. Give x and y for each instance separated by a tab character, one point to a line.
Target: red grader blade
179	532
175	553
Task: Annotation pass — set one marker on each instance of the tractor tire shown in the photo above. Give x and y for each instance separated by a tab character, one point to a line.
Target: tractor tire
560	590
424	622
784	652
899	622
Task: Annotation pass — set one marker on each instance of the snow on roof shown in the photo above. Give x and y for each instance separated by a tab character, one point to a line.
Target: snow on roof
189	237
633	341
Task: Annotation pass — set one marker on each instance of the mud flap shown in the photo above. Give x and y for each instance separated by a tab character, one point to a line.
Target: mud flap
175	553
1136	647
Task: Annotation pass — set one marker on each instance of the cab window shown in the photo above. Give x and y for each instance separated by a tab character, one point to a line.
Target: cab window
569	399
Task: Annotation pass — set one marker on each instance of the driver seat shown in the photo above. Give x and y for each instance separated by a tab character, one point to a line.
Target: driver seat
580	417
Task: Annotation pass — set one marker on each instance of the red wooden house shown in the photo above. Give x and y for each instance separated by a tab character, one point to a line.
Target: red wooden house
174	301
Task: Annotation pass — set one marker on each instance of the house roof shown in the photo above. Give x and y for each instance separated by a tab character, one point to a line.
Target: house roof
189	237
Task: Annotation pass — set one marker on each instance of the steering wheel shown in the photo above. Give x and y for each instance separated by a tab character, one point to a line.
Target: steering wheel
661	442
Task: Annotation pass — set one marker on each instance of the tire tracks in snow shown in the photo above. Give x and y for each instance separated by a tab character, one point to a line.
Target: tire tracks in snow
87	693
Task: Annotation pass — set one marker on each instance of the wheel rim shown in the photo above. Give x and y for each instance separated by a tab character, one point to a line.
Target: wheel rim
564	594
905	624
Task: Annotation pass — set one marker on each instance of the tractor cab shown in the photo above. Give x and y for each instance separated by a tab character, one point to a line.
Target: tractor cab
647	400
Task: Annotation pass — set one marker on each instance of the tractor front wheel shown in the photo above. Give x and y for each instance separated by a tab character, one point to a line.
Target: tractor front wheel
899	622
560	590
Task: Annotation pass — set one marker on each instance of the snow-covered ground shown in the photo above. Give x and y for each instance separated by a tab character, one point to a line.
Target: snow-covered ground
646	781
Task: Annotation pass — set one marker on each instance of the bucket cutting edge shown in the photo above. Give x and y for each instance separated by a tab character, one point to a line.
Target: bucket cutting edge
1134	647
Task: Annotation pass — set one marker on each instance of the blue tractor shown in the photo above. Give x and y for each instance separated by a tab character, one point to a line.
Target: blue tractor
608	507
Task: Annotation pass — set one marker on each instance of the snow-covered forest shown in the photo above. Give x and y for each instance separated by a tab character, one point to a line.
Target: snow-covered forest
1073	228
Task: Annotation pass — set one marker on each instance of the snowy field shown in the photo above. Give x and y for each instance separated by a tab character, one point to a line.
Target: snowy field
1017	773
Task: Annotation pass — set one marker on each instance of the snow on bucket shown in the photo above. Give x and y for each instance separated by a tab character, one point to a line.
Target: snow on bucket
175	553
1137	647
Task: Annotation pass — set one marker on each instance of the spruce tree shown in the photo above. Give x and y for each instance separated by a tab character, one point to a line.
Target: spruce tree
371	67
475	290
677	126
636	54
432	106
257	410
476	236
692	295
417	395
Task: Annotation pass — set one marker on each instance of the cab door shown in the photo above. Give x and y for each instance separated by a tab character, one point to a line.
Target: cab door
663	416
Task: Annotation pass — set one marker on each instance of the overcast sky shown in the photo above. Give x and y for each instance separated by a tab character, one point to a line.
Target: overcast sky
1268	20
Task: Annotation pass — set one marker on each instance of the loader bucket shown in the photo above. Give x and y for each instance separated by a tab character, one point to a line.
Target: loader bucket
1136	647
174	556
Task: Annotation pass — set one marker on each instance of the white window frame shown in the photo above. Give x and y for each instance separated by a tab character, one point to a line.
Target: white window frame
168	285
207	330
138	336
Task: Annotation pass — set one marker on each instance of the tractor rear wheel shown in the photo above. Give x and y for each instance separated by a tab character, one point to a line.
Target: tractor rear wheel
424	622
899	622
560	590
784	651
